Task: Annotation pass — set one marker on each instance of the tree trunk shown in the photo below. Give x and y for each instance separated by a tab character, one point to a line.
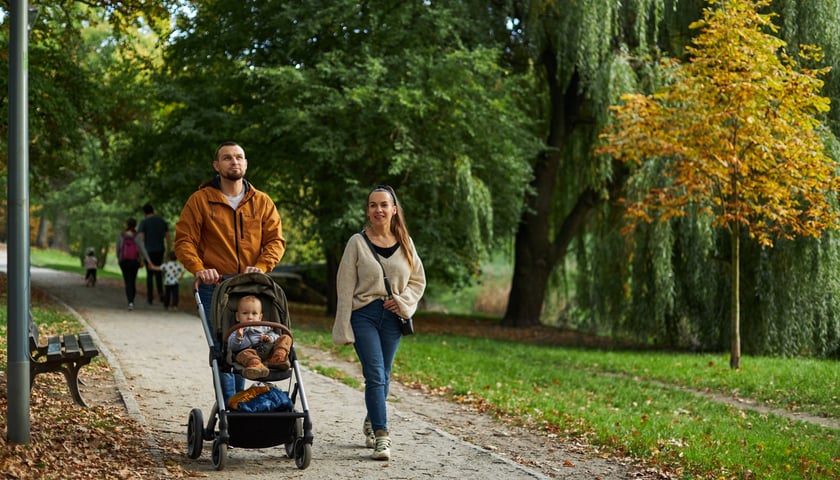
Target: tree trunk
60	232
536	252
42	240
535	256
735	354
531	270
533	250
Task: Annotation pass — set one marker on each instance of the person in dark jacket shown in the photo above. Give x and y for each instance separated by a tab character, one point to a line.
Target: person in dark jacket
153	233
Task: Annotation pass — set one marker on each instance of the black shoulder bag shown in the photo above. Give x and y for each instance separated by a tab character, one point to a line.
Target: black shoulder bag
406	324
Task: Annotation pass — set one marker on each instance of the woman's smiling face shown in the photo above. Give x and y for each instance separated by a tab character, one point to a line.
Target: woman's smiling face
380	208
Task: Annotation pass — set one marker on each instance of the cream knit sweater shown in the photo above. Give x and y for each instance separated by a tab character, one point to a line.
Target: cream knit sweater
360	281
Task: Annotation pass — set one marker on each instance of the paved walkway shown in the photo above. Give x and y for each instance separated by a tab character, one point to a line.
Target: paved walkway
160	360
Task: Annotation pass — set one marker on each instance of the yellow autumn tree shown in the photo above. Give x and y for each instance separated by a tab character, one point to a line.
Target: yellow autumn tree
736	134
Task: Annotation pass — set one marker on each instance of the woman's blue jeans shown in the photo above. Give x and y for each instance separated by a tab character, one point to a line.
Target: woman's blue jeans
378	336
231	382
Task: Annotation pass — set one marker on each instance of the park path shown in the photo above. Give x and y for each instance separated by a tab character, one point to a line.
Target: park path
160	363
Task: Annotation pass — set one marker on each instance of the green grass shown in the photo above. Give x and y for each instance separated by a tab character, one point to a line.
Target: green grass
640	404
336	374
57	260
643	404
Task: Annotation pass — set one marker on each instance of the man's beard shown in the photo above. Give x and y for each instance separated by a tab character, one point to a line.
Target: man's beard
233	176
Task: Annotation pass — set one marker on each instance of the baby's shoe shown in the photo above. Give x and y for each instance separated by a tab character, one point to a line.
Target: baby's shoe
254	368
279	358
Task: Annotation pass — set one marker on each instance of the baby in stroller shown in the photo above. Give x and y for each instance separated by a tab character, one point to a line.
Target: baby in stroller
251	346
241	306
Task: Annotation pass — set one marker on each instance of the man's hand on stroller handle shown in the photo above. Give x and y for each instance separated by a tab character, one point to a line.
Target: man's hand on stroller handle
207	277
211	276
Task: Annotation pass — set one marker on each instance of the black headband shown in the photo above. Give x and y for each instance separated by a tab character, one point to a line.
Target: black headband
385	188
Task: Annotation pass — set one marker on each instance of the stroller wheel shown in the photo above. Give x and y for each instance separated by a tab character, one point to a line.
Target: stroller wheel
298	433
303	453
219	454
195	437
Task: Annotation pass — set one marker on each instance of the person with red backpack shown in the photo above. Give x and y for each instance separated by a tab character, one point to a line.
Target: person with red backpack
129	255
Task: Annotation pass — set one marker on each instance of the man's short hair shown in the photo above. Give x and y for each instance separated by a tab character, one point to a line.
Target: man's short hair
147	208
225	144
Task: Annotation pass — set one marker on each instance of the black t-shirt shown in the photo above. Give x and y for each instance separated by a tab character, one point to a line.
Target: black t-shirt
154	230
387	251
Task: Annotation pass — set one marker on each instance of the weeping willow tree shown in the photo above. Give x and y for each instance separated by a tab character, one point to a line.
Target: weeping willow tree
674	287
584	54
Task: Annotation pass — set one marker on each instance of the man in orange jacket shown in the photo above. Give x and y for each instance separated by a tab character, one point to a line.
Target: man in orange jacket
228	227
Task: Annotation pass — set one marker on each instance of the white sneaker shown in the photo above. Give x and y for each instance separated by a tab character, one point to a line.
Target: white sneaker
382	449
367	430
130	306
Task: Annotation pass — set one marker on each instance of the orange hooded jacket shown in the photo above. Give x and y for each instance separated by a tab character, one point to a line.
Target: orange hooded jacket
210	234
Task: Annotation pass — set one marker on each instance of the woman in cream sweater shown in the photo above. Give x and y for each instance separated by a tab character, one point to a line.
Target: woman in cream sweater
366	316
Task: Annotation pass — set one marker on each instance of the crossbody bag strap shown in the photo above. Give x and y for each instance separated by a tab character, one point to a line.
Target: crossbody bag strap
376	256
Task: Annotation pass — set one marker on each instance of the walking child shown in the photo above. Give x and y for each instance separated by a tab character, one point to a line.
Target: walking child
172	271
91	263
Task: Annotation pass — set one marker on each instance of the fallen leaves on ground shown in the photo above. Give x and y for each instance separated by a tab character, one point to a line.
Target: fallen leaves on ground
68	441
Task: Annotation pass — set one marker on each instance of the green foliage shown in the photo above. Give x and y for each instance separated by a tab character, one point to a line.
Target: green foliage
442	101
584	56
78	67
395	96
789	295
807	294
85	89
814	23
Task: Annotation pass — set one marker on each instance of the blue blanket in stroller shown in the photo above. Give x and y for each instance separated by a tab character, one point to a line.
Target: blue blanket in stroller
274	400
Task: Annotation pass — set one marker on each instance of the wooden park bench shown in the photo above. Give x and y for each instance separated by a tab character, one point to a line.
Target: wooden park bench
65	353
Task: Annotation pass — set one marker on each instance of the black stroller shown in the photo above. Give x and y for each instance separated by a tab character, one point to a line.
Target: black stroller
240	429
